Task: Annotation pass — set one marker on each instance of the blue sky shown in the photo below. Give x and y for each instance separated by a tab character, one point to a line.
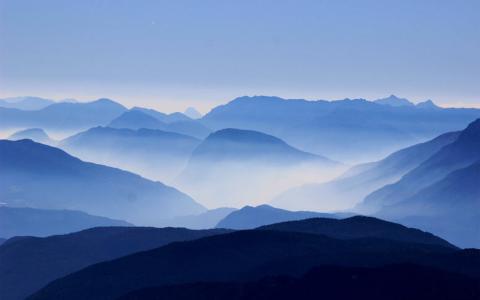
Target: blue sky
173	54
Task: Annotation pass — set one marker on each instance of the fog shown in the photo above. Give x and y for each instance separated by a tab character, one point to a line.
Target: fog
239	183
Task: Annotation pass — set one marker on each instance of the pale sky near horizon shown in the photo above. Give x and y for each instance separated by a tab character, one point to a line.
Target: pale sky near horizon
173	54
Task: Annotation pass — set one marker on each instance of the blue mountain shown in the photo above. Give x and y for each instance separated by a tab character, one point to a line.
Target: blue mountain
40	176
192	113
450	207
163	117
352	187
252	254
250	217
463	152
29	263
395	101
217	168
137	118
26	103
440	195
63	116
236	144
345	130
153	153
35	134
24	221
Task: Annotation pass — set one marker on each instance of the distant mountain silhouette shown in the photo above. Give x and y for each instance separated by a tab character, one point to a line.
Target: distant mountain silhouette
63	116
395	101
15	221
27	264
35	134
40	176
163	117
205	220
26	103
401	281
156	154
359	227
428	104
137	118
345	130
217	167
462	153
236	144
251	217
353	186
248	255
192	113
2	240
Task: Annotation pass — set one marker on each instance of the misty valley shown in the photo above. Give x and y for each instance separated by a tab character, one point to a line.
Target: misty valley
260	198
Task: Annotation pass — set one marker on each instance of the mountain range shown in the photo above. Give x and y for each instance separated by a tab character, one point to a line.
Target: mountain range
22	221
355	184
26	103
254	254
28	263
154	153
64	116
440	194
137	118
345	130
39	176
463	152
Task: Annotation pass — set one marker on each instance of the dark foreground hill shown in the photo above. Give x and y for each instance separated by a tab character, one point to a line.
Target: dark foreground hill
250	255
28	263
404	281
360	227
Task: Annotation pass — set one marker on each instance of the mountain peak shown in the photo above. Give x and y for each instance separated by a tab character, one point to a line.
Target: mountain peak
103	102
395	101
136	119
35	134
244	136
428	104
191	112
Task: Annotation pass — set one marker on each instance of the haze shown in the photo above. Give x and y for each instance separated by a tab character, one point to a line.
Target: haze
173	54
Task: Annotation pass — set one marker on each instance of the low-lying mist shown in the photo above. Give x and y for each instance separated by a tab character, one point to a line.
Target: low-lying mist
239	183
